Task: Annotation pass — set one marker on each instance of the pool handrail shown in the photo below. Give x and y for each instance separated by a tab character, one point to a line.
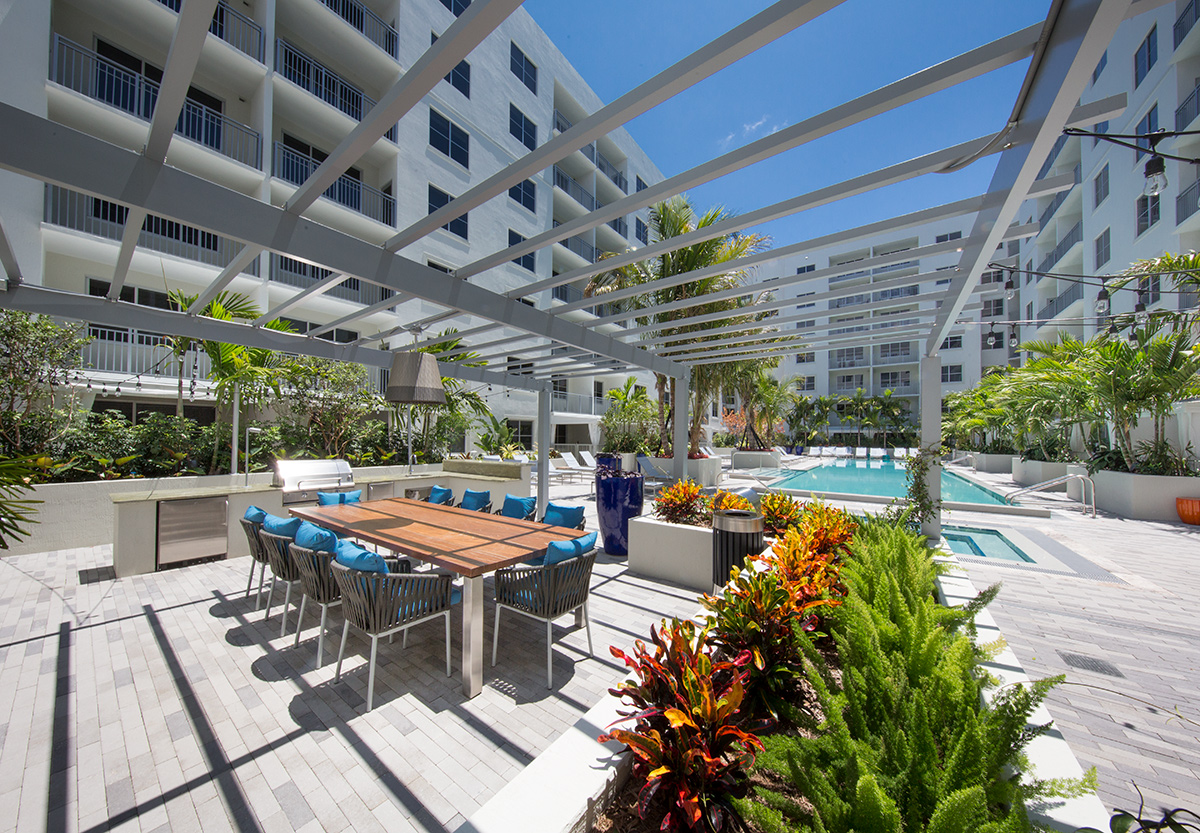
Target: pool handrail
1010	498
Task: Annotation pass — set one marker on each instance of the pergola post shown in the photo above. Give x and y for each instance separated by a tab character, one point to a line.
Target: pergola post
543	449
931	437
679	442
233	442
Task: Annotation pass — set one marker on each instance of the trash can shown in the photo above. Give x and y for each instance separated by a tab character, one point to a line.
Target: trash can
736	534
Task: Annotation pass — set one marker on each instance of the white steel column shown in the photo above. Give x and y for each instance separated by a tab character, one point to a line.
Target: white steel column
680	441
233	443
931	436
472	635
543	446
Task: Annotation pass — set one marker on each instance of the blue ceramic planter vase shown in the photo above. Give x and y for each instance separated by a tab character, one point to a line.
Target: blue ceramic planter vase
617	500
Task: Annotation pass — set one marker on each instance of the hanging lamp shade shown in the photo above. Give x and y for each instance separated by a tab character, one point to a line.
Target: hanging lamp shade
415	380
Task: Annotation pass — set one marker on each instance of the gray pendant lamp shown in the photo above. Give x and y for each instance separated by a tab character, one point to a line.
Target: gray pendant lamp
415	380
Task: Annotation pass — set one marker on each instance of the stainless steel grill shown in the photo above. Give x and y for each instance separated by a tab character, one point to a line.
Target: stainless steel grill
300	480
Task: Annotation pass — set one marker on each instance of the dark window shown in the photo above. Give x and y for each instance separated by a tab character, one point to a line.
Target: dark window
598	390
946	238
525	261
460	76
1099	127
456	7
438	198
1100	65
641	184
1100	186
1148	124
806	383
434	265
993	307
520	126
1147	212
449	138
811	267
641	230
952	373
524	193
524	68
1145	57
522	431
952	342
1151	286
1103	249
806	358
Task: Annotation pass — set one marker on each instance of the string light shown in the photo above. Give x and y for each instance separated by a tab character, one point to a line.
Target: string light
1102	302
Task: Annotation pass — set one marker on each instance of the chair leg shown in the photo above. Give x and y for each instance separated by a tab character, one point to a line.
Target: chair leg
300	618
496	636
371	673
287	600
587	621
321	635
262	575
447	643
270	598
342	650
250	581
549	655
403	639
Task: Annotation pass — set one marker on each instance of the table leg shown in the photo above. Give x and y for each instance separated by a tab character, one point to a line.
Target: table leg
472	639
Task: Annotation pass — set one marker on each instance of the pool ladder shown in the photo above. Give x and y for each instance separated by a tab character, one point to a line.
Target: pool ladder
1056	481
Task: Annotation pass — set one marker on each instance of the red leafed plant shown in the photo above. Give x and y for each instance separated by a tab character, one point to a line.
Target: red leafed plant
686	743
683	502
827	530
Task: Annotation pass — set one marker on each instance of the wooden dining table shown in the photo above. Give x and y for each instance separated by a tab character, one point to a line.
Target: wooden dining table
467	543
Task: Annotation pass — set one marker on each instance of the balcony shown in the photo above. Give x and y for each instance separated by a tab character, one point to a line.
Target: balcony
895	267
851	301
79	212
580	194
295	167
1187	202
1057	202
297	273
570	294
843	363
907	358
324	83
610	170
367	22
1056	305
85	72
578	403
233	27
1185	22
1186	113
620	226
1075	235
861	273
130	352
1054	151
561	124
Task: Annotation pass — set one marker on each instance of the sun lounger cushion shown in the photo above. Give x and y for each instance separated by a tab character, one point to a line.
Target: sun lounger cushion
559	515
518	507
255	515
281	526
475	499
316	538
440	494
355	557
558	551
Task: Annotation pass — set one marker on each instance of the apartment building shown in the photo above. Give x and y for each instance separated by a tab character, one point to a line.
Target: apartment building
278	85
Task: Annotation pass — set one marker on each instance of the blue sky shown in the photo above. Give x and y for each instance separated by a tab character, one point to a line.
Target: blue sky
851	50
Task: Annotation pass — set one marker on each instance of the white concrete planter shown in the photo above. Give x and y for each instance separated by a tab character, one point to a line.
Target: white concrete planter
706	472
757	459
993	463
1031	472
671	552
1143	497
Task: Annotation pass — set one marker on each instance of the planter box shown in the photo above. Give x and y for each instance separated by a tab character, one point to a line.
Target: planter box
1143	497
757	459
1032	472
706	472
993	463
671	552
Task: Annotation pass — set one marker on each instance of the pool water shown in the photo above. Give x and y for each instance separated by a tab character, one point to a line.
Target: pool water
982	543
876	478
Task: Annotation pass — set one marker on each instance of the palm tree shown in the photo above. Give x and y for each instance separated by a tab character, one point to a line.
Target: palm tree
774	399
670	219
859	406
891	412
459	399
226	306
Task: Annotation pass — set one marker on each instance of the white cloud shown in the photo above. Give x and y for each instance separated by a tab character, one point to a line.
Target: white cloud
749	130
725	142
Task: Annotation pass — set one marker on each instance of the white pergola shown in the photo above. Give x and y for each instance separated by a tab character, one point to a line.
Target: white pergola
1061	53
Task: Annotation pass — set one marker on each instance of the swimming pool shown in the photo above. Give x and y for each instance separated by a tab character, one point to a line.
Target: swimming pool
982	543
875	478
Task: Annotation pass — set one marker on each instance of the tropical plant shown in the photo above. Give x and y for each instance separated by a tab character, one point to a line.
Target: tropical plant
328	400
628	423
861	409
226	306
683	502
436	426
724	501
16	510
38	357
495	436
1177	820
780	511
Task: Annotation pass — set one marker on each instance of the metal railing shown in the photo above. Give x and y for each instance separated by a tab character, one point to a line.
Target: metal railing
295	167
133	352
1187	112
842	363
1058	200
1184	23
577	245
580	194
578	403
610	170
85	72
569	294
1050	157
1011	497
1056	305
314	77
233	27
371	25
892	267
906	359
1075	235
101	218
861	273
1187	203
561	124
620	226
291	272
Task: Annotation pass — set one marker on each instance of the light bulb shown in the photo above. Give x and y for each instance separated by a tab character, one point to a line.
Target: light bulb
1102	304
1156	176
1013	341
1010	288
1139	309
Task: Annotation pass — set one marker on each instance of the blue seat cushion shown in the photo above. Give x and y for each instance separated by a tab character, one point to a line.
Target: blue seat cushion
329	498
255	515
281	526
350	554
316	538
475	499
518	507
352	497
558	551
560	515
440	494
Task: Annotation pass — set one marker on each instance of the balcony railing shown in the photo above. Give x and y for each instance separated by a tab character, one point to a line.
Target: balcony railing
1054	151
1187	203
1056	305
324	83
905	359
130	352
578	403
291	272
1185	22
852	301
366	21
580	194
295	167
1072	237
1186	113
894	267
620	226
580	247
841	364
90	215
85	72
610	170
1058	200
233	27
561	124
861	273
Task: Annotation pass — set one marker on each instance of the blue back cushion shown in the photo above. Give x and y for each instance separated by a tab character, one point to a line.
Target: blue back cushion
255	515
558	551
440	494
317	538
355	557
518	507
352	497
560	515
475	500
329	498
281	526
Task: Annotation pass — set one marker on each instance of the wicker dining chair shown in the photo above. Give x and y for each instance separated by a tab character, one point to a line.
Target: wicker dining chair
258	556
318	584
381	604
283	568
545	593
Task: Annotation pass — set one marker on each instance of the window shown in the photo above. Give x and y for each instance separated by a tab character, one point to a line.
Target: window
449	138
895	379
597	390
517	367
951	343
641	230
1100	186
993	307
1099	127
1029	311
525	194
641	184
456	7
946	238
1148	124
952	373
1147	213
992	276
1100	65
435	265
850	381
1103	249
336	335
897	292
1028	271
460	76
895	350
849	357
806	358
1151	286
806	383
522	432
809	305
1145	57
523	68
520	126
525	261
438	198
991	340
810	267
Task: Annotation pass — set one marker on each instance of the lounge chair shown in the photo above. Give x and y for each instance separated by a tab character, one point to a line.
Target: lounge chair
842	451
653	476
587	459
860	453
574	465
520	458
877	453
